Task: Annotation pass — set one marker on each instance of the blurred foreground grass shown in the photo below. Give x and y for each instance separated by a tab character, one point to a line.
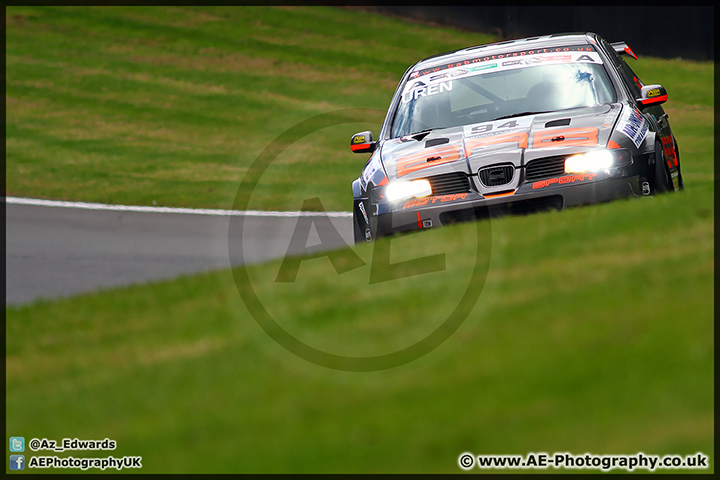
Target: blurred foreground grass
593	333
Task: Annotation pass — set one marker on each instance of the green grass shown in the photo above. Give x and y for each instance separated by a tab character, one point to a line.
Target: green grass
172	104
593	334
593	331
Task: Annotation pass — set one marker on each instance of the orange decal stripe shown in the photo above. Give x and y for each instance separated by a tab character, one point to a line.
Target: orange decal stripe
661	98
585	137
359	146
497	195
521	138
418	161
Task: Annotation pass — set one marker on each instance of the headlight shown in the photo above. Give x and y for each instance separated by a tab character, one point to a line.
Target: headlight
589	162
402	190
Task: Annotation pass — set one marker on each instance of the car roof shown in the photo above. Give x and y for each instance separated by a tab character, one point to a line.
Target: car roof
530	43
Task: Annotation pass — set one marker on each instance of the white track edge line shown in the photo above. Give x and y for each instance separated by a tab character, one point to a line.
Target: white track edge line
192	211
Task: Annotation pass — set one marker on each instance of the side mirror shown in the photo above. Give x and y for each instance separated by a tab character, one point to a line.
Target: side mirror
652	95
362	142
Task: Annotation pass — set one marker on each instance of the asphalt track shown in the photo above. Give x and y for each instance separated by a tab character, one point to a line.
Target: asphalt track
59	251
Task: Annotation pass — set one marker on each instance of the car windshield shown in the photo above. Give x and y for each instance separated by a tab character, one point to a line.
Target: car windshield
483	92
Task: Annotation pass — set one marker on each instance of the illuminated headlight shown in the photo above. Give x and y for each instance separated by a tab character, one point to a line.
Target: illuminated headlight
589	162
402	190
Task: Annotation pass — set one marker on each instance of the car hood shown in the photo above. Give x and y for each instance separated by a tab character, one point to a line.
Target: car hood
515	140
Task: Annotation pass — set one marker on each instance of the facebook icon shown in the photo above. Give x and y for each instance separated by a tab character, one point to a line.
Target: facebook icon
17	462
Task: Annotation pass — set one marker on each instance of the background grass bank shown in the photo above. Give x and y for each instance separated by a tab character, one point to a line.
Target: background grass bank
135	105
170	105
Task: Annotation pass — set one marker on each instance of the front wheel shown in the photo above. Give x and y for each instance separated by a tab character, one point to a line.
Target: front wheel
358	235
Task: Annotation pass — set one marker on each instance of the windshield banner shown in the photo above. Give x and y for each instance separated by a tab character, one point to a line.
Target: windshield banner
507	61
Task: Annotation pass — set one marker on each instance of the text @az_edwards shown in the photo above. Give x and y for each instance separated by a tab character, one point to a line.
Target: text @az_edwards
38	444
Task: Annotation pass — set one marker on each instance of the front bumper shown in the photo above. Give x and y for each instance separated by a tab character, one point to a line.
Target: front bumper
531	197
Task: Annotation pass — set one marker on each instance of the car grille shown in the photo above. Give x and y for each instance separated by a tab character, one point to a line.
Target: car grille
447	183
545	167
496	175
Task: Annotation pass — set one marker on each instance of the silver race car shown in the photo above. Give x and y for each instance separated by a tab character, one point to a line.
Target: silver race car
513	127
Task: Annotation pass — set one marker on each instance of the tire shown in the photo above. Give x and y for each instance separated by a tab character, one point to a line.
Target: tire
661	182
358	235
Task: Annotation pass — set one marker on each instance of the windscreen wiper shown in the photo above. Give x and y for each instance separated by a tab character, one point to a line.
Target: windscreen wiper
423	133
520	114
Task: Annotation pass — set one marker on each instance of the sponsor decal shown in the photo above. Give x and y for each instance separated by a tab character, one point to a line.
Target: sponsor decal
653	92
586	58
456	72
512	63
419	202
589	54
669	151
645	188
362	209
633	125
426	91
554	58
497	127
479	68
580	177
535	59
359	139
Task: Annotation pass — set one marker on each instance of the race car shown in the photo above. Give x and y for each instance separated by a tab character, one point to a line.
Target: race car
512	127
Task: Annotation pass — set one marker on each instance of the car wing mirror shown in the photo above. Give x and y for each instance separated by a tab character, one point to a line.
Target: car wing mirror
362	142
652	95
